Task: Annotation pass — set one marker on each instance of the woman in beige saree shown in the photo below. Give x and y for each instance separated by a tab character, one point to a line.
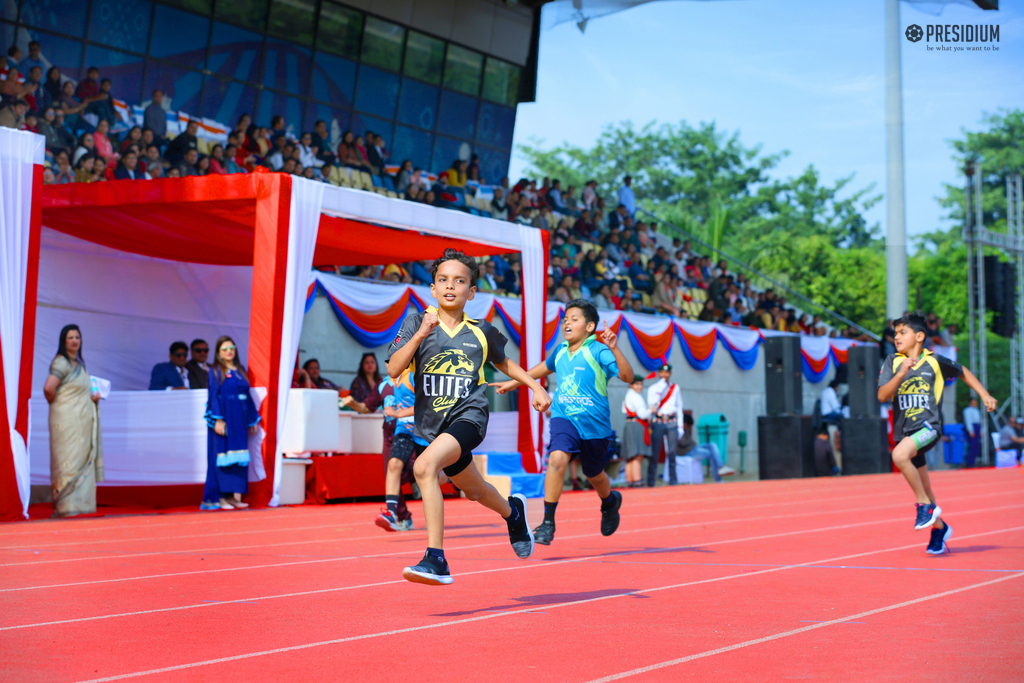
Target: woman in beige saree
76	451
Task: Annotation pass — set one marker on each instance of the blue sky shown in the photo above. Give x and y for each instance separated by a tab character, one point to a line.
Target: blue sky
800	75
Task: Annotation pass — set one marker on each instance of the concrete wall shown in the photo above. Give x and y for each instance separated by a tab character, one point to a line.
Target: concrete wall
723	388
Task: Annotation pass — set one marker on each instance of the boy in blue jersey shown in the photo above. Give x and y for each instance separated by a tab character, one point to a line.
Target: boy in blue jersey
581	423
399	451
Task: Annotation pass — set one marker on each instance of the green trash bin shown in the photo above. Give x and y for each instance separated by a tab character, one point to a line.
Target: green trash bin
714	428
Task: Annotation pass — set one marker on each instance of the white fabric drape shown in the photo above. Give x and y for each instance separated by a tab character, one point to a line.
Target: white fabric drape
19	153
131	307
534	311
303	226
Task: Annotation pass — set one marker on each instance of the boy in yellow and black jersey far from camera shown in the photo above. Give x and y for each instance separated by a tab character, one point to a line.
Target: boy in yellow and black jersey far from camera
447	350
914	378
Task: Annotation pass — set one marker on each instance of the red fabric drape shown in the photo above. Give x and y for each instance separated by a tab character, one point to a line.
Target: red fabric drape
270	266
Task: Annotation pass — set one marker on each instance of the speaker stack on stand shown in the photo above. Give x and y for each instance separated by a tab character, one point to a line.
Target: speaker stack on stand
785	438
865	433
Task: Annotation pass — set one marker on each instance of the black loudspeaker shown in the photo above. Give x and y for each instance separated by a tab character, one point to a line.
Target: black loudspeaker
785	447
865	445
783	376
1001	294
862	366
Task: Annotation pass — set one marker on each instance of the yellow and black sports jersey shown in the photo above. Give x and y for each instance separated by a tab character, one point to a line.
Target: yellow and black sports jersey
448	371
918	398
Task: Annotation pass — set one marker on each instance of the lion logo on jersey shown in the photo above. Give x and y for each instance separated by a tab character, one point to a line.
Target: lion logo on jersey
449	362
914	397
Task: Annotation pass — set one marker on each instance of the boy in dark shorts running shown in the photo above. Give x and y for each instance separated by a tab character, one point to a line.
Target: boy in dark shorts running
914	378
581	422
447	350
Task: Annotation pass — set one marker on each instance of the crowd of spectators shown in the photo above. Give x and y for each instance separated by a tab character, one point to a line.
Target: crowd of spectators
600	249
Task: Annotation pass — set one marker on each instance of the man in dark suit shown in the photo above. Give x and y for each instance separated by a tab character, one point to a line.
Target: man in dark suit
128	169
375	153
172	375
198	368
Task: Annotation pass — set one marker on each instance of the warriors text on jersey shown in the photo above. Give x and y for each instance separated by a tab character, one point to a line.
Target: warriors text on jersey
918	399
448	368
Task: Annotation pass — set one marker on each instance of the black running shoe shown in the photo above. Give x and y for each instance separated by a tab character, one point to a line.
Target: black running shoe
926	515
937	546
610	513
545	533
520	536
429	571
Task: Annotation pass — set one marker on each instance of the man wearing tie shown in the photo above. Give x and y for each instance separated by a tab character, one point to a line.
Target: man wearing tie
172	375
666	402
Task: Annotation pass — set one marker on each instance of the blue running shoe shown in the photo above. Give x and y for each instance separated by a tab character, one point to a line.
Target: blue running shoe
937	546
520	535
926	515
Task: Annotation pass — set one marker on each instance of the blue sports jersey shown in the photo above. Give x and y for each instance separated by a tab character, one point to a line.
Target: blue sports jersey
403	397
582	394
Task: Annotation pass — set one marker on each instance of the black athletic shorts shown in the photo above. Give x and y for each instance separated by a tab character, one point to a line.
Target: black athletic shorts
403	448
468	436
926	438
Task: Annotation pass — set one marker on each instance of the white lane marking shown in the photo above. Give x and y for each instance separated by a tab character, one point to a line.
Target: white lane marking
796	631
495	615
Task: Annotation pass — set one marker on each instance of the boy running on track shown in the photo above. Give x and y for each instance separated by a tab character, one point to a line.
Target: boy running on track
914	378
581	423
448	350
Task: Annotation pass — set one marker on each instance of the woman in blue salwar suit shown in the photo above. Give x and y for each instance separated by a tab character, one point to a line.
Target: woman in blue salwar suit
231	417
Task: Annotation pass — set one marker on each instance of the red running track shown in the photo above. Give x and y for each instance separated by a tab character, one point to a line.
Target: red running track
761	581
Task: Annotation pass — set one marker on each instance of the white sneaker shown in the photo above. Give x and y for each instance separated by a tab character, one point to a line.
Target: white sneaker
724	471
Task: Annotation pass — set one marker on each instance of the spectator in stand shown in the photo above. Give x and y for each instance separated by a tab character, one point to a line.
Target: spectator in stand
737	312
664	297
198	367
1010	437
184	142
570	200
34	58
13	56
590	195
188	167
84	168
217	161
76	448
347	154
49	178
53	86
364	159
404	178
261	144
172	172
155	165
376	153
626	195
710	313
102	171
554	197
473	171
513	280
134	137
103	145
173	374
127	169
277	128
58	137
618	218
71	105
364	387
203	165
322	140
308	152
155	117
64	173
312	368
499	207
487	281
456	174
11	90
103	106
36	97
414	193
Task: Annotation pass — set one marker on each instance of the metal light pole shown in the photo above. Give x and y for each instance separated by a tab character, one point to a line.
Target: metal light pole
896	296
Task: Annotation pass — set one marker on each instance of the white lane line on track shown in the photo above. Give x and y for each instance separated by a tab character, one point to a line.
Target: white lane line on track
796	631
454	518
496	615
65	525
701	523
94	558
531	565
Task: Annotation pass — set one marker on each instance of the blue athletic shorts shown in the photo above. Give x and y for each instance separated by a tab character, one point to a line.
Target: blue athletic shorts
592	453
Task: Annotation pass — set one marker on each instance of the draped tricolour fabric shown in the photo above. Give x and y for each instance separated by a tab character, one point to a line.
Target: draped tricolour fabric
303	225
21	174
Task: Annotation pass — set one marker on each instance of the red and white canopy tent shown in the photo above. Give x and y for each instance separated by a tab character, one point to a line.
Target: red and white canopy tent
279	225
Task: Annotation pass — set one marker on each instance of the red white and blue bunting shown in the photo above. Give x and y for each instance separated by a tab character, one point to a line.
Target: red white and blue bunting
373	312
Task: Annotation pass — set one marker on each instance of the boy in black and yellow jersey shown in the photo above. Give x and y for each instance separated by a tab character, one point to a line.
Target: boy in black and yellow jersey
448	350
914	378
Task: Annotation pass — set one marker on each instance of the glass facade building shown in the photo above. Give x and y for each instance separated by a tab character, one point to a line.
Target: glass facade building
431	99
